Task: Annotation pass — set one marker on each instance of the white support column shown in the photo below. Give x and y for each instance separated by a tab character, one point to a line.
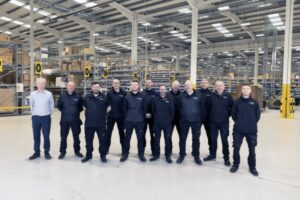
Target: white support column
286	85
177	61
194	45
31	40
256	64
134	41
60	48
92	41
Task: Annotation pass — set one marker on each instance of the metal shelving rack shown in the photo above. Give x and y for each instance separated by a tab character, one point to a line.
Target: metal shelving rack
17	68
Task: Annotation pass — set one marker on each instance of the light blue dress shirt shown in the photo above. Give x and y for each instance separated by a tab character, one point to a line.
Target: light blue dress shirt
41	103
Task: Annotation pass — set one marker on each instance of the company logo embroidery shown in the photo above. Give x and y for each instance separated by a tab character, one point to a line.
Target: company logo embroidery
139	98
251	103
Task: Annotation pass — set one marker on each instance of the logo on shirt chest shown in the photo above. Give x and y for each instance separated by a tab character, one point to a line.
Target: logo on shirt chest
75	99
195	98
139	98
251	103
121	95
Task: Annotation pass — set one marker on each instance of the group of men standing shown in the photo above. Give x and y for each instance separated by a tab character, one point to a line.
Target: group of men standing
160	112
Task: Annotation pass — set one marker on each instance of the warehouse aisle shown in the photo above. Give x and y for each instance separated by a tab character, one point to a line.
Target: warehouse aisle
277	155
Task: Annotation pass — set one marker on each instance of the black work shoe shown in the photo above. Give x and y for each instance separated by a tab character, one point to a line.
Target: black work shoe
78	154
180	159
198	161
48	156
103	159
142	158
254	172
234	168
123	158
210	158
154	158
169	160
61	156
34	156
86	159
227	162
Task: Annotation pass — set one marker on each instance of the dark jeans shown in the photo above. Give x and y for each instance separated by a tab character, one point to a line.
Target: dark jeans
214	133
208	134
139	129
185	126
89	139
41	123
251	139
110	127
150	123
167	129
64	132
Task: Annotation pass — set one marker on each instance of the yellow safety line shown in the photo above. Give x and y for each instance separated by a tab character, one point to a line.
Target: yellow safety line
14	107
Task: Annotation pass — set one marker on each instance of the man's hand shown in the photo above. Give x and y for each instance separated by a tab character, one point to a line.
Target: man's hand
148	115
108	109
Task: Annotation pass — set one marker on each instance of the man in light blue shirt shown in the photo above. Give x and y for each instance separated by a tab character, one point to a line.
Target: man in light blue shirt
42	106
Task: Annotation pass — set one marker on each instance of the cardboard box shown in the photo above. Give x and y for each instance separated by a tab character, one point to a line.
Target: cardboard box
77	79
86	51
25	58
7	59
76	65
5	38
6	52
7	99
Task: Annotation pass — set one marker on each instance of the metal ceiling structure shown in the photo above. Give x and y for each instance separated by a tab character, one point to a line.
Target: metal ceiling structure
164	25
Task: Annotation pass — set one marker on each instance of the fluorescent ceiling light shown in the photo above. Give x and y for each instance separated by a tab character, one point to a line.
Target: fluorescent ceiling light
185	11
81	1
43	13
27	25
281	28
276	15
53	16
217	25
264	5
245	24
156	44
8	32
17	22
203	16
224	31
41	21
158	25
59	42
183	37
17	3
146	24
28	8
223	8
228	35
275	19
277	23
5	19
96	34
188	40
173	32
90	4
259	35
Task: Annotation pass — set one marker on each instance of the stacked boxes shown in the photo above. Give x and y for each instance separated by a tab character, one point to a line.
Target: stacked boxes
6	55
7	99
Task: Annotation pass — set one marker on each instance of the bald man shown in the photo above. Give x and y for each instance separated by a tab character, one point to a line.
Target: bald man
192	114
70	104
41	106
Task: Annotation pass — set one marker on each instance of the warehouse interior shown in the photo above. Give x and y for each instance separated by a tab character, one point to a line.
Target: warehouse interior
236	41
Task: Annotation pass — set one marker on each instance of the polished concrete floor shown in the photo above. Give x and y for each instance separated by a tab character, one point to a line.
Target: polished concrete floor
278	161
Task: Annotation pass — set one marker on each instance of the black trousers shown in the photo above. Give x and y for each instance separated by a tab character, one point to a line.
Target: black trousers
110	127
175	123
64	132
41	123
89	139
167	129
139	130
208	135
185	126
251	139
214	133
150	123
